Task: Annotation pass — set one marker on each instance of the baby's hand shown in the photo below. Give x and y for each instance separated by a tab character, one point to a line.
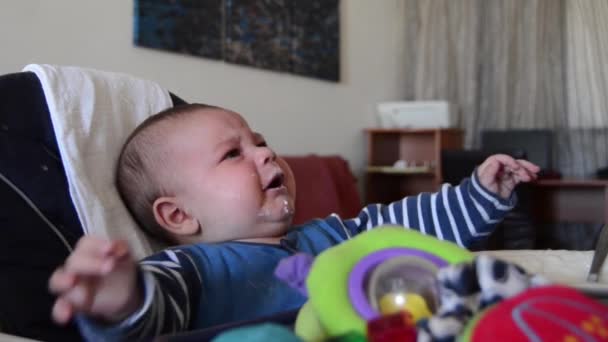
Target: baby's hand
500	173
99	279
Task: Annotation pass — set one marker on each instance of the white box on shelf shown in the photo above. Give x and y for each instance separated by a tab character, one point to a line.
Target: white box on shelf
415	114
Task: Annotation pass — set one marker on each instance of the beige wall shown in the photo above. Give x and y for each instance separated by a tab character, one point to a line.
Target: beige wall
298	115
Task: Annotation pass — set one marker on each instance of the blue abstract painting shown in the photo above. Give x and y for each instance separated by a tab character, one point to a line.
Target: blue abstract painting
295	36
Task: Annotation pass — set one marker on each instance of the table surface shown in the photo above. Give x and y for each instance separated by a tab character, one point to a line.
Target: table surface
569	200
571	182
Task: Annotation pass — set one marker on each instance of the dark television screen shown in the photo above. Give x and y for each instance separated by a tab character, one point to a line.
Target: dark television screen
537	144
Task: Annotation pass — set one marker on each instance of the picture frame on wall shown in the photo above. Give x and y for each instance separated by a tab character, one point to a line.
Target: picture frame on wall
292	36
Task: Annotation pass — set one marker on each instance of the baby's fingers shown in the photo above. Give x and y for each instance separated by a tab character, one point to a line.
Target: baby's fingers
119	250
92	245
77	299
80	296
94	256
530	167
527	172
507	161
488	170
89	265
61	281
62	311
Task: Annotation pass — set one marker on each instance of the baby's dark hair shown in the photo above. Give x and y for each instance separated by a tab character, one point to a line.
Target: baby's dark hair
136	180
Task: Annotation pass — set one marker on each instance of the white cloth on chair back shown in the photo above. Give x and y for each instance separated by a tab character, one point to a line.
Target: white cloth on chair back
93	112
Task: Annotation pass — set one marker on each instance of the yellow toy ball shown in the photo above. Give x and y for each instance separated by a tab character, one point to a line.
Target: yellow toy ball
413	303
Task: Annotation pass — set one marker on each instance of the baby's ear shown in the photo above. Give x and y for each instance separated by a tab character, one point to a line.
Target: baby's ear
173	218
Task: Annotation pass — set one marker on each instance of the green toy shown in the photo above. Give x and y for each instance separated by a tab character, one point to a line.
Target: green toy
378	272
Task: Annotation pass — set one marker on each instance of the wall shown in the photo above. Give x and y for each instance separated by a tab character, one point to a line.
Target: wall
298	115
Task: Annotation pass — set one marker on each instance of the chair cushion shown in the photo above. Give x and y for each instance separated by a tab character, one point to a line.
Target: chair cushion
30	249
38	222
324	185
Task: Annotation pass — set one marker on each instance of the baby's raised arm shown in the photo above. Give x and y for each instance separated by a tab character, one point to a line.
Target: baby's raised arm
462	213
99	279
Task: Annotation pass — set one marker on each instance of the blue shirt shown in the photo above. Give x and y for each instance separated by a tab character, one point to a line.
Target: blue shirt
202	285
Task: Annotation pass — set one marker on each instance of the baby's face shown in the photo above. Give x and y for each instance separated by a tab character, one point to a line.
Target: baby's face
226	176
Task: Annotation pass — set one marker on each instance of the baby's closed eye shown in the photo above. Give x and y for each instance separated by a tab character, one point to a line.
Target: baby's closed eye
232	153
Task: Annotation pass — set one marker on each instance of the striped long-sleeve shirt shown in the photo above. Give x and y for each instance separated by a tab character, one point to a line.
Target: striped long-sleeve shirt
203	285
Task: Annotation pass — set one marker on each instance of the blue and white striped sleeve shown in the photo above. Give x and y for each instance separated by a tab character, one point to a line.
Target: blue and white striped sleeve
461	214
171	284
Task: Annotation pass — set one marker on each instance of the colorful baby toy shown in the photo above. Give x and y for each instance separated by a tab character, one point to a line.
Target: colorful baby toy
376	275
391	284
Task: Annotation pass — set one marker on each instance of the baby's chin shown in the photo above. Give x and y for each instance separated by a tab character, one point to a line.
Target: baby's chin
279	221
275	224
267	234
279	209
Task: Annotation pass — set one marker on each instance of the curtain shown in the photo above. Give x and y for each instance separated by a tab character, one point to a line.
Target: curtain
516	64
586	39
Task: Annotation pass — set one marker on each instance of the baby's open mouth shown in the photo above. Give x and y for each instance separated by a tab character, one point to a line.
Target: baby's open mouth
275	182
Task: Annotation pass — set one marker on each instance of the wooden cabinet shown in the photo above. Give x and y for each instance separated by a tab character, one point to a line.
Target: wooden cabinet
419	154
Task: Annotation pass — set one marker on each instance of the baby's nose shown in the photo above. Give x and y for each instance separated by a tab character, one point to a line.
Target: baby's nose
265	155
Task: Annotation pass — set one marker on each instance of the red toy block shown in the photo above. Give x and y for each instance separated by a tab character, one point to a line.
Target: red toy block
397	327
